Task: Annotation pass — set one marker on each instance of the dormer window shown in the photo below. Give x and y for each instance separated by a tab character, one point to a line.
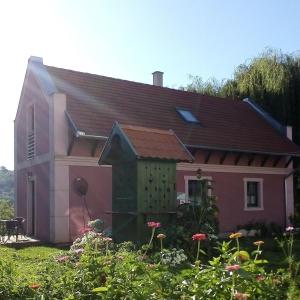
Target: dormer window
187	115
30	133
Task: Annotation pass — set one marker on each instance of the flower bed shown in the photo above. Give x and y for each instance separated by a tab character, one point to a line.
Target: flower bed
96	268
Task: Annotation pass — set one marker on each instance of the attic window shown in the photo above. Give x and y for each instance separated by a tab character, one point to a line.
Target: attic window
187	115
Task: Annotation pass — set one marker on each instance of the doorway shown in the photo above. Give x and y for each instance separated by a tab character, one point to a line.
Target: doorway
31	207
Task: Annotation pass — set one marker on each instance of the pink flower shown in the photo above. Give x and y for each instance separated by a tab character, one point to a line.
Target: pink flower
232	268
107	239
35	286
85	230
62	258
289	229
79	251
153	224
260	277
199	237
241	296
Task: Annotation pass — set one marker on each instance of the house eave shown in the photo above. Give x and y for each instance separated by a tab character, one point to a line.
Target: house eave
202	147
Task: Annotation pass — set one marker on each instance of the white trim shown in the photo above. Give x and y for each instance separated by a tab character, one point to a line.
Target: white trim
79	161
33	162
186	185
261	193
232	169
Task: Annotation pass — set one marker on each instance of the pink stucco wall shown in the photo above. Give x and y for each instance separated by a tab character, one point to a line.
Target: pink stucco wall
229	189
98	198
32	94
41	174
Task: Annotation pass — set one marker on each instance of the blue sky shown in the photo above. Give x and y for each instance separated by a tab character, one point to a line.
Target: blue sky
131	39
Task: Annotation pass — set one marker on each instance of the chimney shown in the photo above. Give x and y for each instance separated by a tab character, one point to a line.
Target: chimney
158	78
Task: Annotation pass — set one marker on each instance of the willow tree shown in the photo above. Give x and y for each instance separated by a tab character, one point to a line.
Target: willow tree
272	79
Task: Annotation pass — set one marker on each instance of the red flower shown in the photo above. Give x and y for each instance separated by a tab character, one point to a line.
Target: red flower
35	286
199	237
232	268
153	224
260	277
85	230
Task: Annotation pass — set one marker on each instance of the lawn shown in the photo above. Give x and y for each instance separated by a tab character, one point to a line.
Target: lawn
27	259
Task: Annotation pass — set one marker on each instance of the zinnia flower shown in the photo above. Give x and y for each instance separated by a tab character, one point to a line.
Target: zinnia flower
232	268
241	296
258	243
62	258
107	239
79	251
260	277
235	235
35	286
289	229
161	236
153	224
199	237
85	230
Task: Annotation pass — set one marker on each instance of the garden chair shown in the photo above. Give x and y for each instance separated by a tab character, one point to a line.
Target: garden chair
11	229
20	230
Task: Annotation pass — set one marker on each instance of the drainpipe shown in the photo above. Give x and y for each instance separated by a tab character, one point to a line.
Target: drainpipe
287	177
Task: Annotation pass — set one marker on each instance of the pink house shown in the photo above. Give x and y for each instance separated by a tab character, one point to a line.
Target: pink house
65	117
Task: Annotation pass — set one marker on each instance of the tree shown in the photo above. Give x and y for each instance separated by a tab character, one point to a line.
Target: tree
6	209
272	79
6	184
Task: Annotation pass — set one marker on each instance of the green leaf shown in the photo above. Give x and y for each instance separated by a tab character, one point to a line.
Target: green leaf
100	289
261	261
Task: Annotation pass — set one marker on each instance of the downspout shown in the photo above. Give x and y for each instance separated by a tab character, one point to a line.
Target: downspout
285	190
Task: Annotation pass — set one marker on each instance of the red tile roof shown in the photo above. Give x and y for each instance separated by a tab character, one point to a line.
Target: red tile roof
156	143
95	102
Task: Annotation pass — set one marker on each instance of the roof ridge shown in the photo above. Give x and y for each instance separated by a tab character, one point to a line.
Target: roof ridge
147	84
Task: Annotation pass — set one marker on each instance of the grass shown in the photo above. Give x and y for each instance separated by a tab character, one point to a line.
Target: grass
26	258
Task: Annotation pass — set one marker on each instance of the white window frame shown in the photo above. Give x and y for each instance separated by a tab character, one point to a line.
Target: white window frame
186	185
260	194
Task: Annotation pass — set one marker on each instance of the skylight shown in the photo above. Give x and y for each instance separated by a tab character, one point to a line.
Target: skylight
187	115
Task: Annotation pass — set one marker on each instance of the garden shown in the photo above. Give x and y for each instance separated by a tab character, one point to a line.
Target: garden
94	267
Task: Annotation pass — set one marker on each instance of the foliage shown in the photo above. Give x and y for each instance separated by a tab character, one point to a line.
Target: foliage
6	209
198	215
91	270
6	184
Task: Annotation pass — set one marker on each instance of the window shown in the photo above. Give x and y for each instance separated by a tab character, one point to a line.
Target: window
196	188
187	115
253	189
30	133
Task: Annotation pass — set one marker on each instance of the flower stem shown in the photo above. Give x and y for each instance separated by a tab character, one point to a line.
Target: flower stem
198	251
256	255
233	286
150	242
238	244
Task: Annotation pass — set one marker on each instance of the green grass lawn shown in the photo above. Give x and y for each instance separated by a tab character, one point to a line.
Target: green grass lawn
28	257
